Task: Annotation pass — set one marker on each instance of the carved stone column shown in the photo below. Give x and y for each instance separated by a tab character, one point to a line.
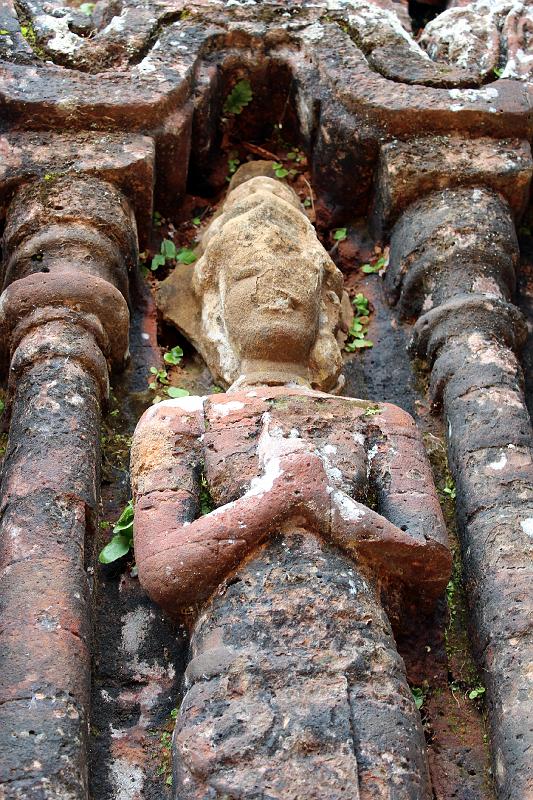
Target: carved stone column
452	264
68	245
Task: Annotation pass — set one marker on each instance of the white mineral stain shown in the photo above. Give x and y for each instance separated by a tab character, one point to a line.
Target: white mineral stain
265	482
314	33
223	409
135	629
187	404
473	95
348	509
127	779
499	464
527	526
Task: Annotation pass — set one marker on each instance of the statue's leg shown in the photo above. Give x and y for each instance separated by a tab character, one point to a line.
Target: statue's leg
295	689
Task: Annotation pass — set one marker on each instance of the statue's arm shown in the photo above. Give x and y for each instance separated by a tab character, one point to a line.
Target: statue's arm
402	476
182	557
406	496
166	463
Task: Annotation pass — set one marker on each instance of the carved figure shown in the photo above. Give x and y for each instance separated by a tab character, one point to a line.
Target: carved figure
295	688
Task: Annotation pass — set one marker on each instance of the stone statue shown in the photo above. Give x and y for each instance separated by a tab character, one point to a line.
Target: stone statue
323	507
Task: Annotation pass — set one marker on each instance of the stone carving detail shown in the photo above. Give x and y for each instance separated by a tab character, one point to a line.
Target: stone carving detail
452	264
251	316
483	37
292	472
64	319
104	118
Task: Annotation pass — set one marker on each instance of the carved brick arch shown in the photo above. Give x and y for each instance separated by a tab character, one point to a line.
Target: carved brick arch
354	86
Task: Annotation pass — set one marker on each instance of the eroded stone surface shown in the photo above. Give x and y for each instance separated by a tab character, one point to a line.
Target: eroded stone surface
62	316
457	271
484	37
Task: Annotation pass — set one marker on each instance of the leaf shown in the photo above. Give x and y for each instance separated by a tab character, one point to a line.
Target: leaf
498	71
2	406
87	8
279	170
186	256
125	520
371	411
363	343
175	391
239	97
115	549
418	696
157	261
168	248
4	32
340	234
173	356
196	220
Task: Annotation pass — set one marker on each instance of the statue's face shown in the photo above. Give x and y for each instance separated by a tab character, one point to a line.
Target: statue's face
271	291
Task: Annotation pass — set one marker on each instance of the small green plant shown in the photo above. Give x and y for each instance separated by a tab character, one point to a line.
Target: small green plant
280	171
173	356
169	252
176	391
196	221
162	383
296	156
419	695
160	377
449	489
476	692
451	598
122	541
157	219
371	411
166	761
359	327
498	71
340	234
206	501
186	256
4	32
239	97
87	8
377	264
233	164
